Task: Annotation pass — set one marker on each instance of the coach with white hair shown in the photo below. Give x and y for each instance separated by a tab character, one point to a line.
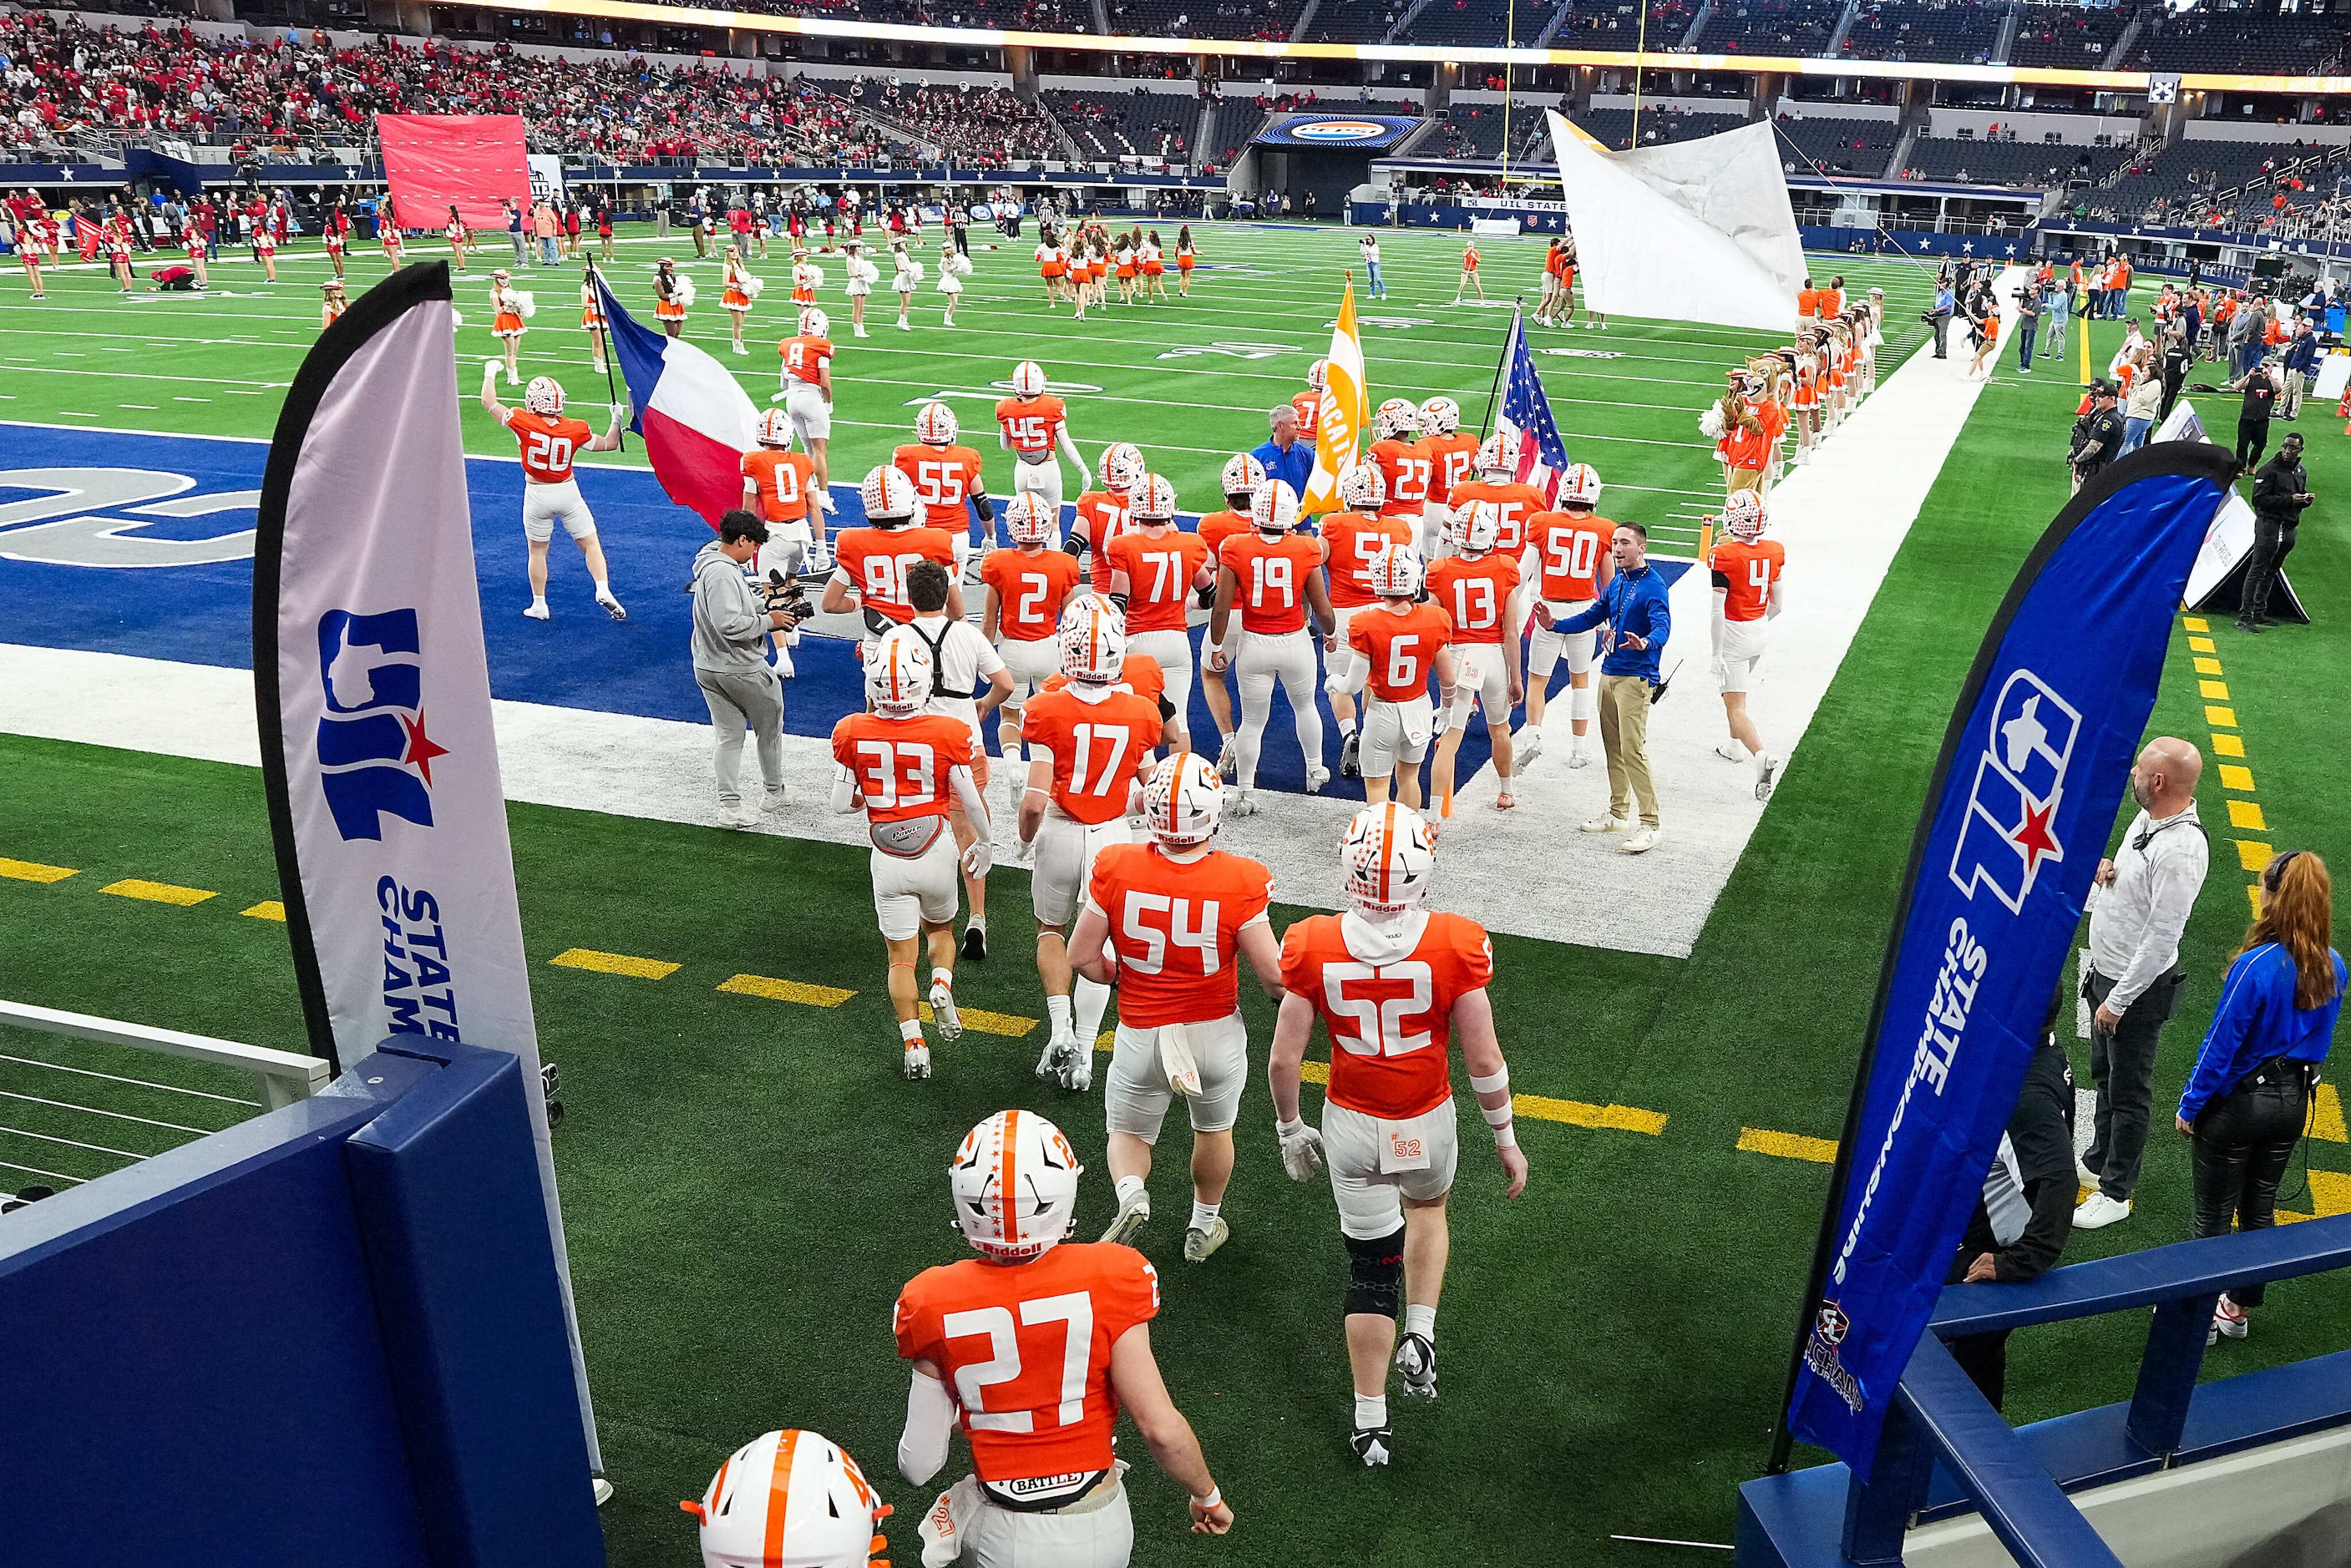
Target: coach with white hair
1285	457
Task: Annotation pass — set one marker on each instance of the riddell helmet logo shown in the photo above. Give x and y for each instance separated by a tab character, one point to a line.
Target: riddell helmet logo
2020	783
375	757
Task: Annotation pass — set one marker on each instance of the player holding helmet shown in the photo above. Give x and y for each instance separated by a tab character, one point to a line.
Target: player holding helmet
1163	921
901	764
1476	587
1570	547
1033	1349
1032	425
873	562
1273	573
549	491
1354	538
789	1497
1104	515
1027	586
1243	477
1392	648
1452	453
1394	984
1089	742
1748	593
804	386
947	478
1156	572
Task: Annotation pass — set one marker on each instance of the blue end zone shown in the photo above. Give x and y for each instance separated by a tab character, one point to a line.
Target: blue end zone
202	614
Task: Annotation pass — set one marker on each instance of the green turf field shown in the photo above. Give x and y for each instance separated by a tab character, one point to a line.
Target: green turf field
747	1183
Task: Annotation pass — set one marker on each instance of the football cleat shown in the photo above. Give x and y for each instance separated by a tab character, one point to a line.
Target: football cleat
918	1061
943	1009
1767	774
1350	755
936	425
1316	778
611	607
1730	750
1245	803
1199	1246
1080	1075
1059	1048
1373	1445
1416	1358
1134	1214
1526	744
1228	755
974	942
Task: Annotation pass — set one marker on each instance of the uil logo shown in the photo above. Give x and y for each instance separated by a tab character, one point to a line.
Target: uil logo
2020	783
375	757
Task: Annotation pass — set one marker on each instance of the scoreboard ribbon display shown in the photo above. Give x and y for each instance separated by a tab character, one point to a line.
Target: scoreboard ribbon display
1369	132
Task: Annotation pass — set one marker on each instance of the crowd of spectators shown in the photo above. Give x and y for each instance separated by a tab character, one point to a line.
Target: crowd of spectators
2069	37
1265	20
1961	31
1771	27
2277	190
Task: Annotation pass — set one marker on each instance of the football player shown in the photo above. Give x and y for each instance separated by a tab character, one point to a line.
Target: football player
548	442
1027	586
1475	586
1273	573
1515	501
1452	453
780	489
871	562
1163	922
962	659
1033	1349
947	480
901	764
1033	425
1571	549
1749	591
1242	479
789	1497
1354	539
805	389
1308	404
1156	571
1393	649
1089	741
1394	984
1404	469
1105	514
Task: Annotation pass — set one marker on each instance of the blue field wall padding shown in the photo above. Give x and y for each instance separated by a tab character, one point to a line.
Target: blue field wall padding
447	1192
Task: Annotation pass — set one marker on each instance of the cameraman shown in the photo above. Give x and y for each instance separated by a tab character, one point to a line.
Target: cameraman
731	622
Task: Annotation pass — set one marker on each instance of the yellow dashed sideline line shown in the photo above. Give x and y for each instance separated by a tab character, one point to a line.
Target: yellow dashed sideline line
785	991
267	910
2326	1115
1788	1146
34	871
2253	854
983	1022
1575	1113
614	963
157	892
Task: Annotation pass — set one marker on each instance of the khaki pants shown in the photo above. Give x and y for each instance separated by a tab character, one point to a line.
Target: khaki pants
2293	401
1625	740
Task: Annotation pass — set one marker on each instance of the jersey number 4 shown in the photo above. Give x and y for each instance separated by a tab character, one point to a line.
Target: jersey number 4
1074	1312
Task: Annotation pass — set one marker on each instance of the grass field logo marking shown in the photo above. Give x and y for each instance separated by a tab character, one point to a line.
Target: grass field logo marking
64	528
996	391
1393	323
1583	353
1231	351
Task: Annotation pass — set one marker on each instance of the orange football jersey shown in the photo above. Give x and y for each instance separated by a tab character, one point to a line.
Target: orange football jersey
787	481
902	763
1571	547
1307	405
1352	541
1103	515
1745	573
1029	590
944	478
1453	460
1159	574
1476	594
1513	503
1098	748
1176	929
1400	648
1029	423
1216	527
1272	573
874	561
1024	1349
548	442
1139	674
806	358
1408	471
1390	1024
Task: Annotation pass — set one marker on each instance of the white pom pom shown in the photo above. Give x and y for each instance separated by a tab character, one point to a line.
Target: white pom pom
1709	423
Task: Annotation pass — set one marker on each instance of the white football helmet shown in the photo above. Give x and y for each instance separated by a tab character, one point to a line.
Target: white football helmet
1580	485
1318	375
815	323
1397	418
1389	854
543	396
1440	416
1243	475
1363	487
1478	527
1122	466
936	425
1743	515
1029	519
775	428
1154	500
1183	801
1015	1181
830	1511
888	496
1094	641
1396	572
898	673
1495	460
1274	508
1028	379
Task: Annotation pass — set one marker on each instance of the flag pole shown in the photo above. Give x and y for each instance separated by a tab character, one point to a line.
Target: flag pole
610	355
1493	396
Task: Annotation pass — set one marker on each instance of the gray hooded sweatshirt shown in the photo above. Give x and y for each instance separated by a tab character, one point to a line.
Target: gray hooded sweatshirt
730	618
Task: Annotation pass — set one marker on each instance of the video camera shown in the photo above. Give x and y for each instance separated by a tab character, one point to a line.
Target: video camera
788	594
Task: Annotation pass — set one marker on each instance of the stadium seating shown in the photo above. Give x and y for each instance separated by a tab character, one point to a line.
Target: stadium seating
1267	19
1475	130
1356	21
1594	24
1477	23
2068	38
1955	30
1235	121
1840	146
2202	41
2183	186
1614	127
1771	27
1110	126
2027	165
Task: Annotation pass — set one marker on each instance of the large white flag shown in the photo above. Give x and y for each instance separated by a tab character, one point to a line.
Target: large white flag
1339	423
373	694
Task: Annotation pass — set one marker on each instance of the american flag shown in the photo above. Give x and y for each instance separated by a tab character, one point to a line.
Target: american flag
1524	419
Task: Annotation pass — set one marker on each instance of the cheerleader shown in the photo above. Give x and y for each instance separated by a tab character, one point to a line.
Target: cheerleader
672	295
332	304
264	246
387	229
338	236
28	250
591	318
741	289
117	252
506	322
807	278
1124	268
1155	268
1098	271
949	283
1186	256
861	276
459	237
910	272
604	230
1053	266
1805	394
192	239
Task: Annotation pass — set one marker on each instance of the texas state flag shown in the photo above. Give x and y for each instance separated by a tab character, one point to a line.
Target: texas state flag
696	420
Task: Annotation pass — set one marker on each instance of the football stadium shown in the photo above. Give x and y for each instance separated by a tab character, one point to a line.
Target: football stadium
1133	584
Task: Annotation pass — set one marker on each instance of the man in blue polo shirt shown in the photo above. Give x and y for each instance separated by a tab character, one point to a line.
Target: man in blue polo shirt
1633	608
1285	457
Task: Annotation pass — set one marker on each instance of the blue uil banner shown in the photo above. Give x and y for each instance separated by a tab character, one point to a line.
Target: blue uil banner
2016	819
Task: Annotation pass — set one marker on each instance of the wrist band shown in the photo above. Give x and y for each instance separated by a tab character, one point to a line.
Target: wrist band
1486	1085
1216	1496
1505	1137
1499	1117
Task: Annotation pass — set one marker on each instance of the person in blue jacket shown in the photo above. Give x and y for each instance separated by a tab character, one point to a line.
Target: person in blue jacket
2248	1100
1635	608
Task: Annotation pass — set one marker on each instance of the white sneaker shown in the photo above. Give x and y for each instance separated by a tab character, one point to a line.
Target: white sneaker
1642	842
1316	779
1526	744
538	612
1244	805
2081	1168
1578	757
1730	750
2098	1212
1608	825
859	330
2228	1318
779	795
918	1061
1134	1214
943	1011
739	814
1767	773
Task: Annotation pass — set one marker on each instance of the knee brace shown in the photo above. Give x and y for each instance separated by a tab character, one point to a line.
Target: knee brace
1375	1275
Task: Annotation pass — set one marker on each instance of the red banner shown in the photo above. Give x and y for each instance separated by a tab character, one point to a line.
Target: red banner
471	161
